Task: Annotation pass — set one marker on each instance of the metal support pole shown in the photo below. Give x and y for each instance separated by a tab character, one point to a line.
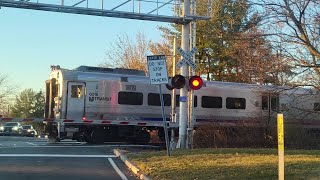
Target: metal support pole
173	96
191	118
165	129
102	4
8	111
59	129
183	112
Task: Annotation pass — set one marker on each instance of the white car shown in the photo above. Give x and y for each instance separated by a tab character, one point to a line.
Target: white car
11	128
27	130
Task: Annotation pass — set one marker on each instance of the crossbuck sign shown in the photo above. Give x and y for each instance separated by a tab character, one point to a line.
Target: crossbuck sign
187	58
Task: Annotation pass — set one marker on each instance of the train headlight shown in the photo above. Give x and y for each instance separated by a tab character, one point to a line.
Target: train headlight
1	128
29	130
15	128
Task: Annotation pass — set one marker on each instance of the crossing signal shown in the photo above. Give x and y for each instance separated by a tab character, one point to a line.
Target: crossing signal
178	82
195	82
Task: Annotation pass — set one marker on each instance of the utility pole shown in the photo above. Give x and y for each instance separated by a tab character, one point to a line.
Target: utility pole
191	117
183	112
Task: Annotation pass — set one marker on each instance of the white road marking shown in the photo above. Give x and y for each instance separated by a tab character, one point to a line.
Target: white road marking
123	177
58	155
33	144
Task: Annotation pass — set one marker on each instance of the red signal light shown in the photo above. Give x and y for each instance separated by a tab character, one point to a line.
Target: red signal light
195	82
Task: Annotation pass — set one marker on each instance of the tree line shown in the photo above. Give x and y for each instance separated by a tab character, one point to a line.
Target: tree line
263	42
28	104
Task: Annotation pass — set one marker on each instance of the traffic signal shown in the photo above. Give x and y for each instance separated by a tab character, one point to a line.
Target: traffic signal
195	82
178	82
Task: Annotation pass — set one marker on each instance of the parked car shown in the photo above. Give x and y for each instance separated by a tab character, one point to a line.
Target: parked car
11	128
27	130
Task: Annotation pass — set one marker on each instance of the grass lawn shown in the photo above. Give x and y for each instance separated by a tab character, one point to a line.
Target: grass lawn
228	164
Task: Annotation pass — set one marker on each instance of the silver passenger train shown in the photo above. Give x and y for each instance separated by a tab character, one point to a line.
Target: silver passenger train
97	104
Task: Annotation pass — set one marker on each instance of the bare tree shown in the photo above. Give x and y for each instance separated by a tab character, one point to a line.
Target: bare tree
257	63
7	93
127	53
296	25
165	47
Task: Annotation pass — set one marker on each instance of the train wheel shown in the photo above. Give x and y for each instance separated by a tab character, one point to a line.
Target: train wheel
143	137
88	139
97	136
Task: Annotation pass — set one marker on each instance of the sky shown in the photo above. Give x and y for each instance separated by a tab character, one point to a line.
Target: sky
31	41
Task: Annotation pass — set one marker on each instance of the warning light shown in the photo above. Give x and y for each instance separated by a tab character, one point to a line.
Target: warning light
176	82
195	82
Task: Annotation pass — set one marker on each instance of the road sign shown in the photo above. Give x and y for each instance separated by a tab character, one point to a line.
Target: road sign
187	58
183	98
158	74
157	68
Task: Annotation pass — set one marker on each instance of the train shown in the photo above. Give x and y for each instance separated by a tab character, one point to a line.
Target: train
96	104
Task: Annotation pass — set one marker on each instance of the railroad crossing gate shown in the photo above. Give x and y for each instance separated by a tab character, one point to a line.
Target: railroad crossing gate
187	58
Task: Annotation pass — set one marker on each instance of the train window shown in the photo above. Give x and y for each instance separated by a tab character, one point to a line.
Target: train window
236	103
195	101
265	103
211	102
316	107
76	91
154	99
130	98
275	103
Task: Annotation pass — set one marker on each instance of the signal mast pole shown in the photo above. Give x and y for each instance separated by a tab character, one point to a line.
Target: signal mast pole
183	112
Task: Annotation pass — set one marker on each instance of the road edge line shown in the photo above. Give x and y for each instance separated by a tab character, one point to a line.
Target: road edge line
130	165
116	168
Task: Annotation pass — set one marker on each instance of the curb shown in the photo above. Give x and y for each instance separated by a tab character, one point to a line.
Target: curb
130	165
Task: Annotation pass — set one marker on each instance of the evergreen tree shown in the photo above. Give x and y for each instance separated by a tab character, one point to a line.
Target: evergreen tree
29	104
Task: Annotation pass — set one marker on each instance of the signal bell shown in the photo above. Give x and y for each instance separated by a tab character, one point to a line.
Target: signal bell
195	82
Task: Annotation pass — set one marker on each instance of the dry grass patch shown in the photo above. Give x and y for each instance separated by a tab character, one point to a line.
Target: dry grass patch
227	164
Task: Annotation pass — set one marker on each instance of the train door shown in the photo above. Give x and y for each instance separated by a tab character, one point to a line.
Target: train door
52	90
265	108
76	100
270	107
274	106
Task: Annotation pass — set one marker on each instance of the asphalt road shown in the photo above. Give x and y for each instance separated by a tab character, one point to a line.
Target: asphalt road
24	158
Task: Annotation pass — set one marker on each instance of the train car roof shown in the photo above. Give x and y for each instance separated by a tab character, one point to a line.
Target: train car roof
88	73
